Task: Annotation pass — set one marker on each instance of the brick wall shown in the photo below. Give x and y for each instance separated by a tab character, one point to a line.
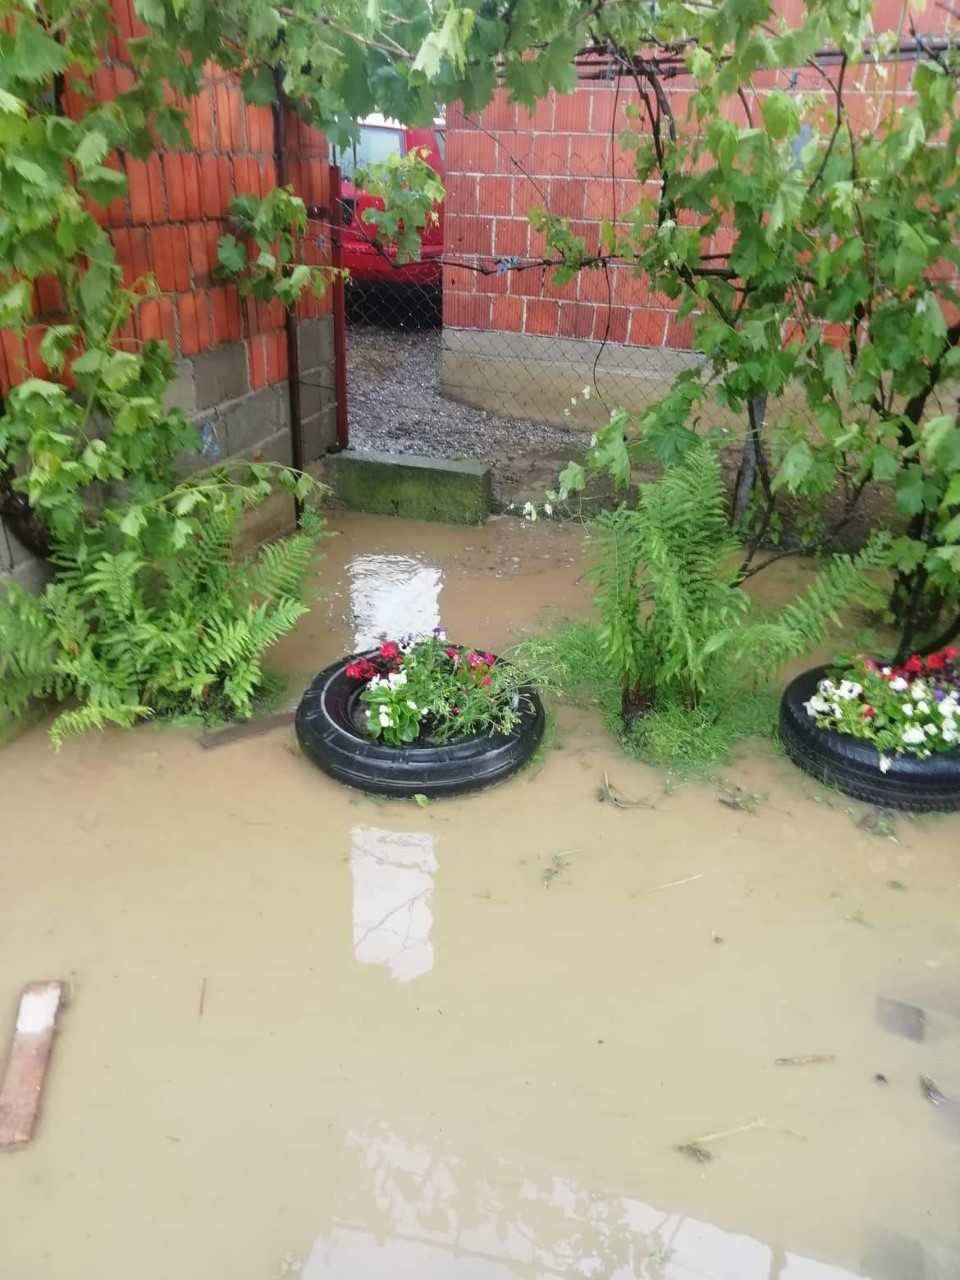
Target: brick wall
231	352
518	344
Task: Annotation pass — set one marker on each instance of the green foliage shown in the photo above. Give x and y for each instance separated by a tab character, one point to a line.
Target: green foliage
673	615
410	191
273	224
124	636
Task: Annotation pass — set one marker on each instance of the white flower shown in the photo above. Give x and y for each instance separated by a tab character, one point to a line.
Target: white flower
885	763
816	706
949	731
849	689
397	679
386	719
898	684
587	392
411	704
593	441
886	672
949	706
529	511
827	686
907	709
548	509
913	735
930	730
923	708
573	399
375	682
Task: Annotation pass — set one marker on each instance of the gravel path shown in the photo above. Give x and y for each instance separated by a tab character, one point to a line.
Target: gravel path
393	379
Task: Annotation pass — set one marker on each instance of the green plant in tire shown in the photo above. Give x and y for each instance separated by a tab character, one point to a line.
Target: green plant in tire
429	691
675	623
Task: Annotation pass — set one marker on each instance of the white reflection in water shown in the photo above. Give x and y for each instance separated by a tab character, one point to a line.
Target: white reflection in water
425	1214
392	892
392	596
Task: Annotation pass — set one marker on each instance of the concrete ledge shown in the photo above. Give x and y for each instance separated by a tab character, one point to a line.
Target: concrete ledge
417	488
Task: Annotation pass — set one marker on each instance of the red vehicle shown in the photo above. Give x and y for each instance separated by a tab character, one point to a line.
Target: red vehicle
378	139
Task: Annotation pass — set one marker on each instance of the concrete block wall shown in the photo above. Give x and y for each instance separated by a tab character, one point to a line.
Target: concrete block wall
231	351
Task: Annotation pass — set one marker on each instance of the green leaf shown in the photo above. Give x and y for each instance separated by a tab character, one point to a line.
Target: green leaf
911	255
133	522
910	490
571	479
421	800
780	114
56	342
36	56
258	86
103	183
93	147
795	467
12	106
231	255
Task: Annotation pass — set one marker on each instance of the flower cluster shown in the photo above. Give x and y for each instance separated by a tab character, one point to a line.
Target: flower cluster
913	708
428	690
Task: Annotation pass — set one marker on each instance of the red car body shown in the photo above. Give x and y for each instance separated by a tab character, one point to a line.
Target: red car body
378	139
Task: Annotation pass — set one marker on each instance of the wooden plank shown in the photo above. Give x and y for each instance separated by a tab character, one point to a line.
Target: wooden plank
29	1058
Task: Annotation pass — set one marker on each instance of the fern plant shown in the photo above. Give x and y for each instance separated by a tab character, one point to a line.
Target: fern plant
673	614
123	634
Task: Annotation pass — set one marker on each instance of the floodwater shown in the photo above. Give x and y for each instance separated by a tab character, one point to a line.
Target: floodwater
318	1037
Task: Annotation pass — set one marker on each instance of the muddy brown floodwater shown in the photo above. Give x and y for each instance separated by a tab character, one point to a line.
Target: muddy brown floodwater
319	1037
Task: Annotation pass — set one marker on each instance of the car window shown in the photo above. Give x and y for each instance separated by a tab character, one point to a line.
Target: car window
373	145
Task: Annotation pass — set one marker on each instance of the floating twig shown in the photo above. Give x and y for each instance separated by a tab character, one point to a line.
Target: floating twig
612	795
203	998
805	1059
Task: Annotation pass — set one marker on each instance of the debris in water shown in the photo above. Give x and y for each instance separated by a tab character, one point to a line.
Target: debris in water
902	1019
857	917
805	1060
559	862
203	998
717	938
879	822
737	798
896	884
880	1078
671	884
931	1092
696	1148
28	1060
610	794
695	1152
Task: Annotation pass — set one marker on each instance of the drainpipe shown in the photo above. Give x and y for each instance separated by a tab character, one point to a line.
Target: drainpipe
290	313
339	308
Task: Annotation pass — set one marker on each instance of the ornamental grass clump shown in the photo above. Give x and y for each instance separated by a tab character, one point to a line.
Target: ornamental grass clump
912	709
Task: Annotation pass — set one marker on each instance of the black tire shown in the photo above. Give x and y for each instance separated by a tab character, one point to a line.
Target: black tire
328	731
852	765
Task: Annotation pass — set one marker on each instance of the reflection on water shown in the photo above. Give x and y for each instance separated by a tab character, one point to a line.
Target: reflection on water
392	891
422	1212
392	596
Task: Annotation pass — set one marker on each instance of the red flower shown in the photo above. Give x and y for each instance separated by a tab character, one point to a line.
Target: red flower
362	669
936	662
951	652
474	660
868	713
913	665
390	650
453	655
487	680
489	659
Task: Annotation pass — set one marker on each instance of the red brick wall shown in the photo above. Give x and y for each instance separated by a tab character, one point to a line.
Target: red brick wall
565	156
175	211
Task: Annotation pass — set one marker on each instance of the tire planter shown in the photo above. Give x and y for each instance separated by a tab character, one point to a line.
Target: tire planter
330	730
853	765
